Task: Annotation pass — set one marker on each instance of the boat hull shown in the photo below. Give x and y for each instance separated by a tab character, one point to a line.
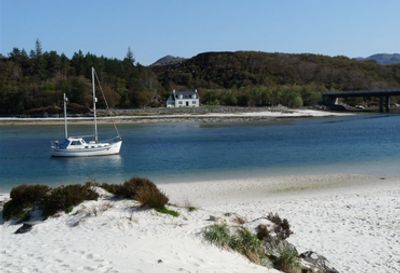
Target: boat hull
107	149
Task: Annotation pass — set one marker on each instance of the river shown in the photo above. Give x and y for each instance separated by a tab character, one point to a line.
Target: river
196	150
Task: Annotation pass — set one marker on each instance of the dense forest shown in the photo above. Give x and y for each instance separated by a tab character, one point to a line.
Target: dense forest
33	84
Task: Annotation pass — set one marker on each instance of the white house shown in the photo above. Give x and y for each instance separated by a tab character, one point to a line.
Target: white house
183	99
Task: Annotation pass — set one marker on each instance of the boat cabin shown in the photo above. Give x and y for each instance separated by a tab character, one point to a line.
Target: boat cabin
77	143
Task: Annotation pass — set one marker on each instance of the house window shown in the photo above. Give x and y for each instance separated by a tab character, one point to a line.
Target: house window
194	102
180	102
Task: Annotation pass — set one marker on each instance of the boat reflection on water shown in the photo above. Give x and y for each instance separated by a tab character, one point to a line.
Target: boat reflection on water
99	168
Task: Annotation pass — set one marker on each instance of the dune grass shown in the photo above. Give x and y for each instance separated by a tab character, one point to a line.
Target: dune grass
288	261
243	241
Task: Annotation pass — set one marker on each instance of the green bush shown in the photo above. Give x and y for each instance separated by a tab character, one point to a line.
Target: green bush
63	198
23	199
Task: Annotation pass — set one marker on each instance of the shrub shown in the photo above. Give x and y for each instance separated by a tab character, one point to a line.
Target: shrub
135	184
129	188
29	194
12	209
113	188
23	199
63	198
142	190
288	261
149	195
282	228
262	232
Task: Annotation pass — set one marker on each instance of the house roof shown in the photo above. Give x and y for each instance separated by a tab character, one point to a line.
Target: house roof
185	94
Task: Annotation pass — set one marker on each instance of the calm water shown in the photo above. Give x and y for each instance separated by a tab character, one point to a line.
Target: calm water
197	150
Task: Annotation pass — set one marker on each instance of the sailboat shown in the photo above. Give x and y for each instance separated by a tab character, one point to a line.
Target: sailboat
72	146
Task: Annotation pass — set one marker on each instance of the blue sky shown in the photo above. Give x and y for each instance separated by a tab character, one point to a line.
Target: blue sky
155	28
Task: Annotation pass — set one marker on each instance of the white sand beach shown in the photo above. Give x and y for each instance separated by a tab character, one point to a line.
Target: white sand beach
352	220
261	114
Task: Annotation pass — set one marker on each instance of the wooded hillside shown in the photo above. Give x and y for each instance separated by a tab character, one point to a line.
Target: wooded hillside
33	83
258	78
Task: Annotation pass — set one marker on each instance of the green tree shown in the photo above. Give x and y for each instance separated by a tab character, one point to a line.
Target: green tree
129	56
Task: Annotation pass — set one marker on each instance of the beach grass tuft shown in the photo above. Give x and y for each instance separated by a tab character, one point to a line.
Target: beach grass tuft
248	244
242	241
166	210
219	235
288	261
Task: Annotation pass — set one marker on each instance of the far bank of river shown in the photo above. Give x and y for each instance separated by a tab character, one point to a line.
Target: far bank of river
144	117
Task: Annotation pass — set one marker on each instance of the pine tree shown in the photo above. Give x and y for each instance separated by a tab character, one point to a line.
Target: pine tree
129	56
38	48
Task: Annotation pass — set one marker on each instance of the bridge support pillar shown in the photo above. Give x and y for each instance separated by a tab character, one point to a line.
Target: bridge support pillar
387	104
329	100
380	104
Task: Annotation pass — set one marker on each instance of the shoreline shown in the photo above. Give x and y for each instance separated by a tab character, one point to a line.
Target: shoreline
129	119
256	186
215	193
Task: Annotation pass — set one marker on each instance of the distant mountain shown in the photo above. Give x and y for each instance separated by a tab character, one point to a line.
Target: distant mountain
383	58
168	60
246	69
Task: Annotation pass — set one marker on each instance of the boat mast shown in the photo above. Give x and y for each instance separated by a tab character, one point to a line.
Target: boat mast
96	138
65	117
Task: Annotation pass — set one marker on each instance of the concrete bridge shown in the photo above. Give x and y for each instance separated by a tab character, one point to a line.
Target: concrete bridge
330	98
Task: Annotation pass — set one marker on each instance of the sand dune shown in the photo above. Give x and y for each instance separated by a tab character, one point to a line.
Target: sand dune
352	220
